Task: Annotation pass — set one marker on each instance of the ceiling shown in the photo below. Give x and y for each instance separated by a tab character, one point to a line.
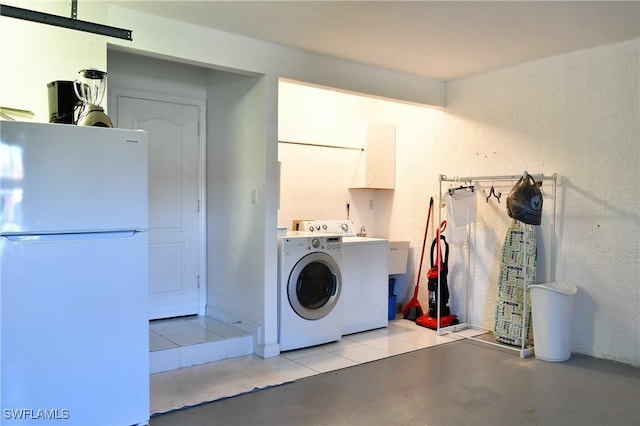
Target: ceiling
442	40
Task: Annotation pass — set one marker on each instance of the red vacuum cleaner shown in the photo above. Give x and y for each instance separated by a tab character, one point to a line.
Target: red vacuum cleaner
438	272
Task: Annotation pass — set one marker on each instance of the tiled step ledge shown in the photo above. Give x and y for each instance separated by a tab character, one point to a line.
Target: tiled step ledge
184	342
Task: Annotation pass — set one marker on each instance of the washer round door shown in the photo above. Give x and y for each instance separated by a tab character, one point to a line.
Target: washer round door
314	286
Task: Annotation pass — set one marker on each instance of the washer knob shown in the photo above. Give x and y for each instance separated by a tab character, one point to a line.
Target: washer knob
315	243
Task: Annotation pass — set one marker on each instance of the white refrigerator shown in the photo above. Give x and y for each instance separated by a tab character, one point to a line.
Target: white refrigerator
74	329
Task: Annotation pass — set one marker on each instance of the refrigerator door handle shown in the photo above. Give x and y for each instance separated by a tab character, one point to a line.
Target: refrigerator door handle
73	236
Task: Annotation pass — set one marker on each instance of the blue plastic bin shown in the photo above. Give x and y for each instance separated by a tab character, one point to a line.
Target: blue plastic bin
392	307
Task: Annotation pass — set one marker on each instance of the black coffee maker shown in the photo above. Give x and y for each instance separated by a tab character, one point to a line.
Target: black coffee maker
63	102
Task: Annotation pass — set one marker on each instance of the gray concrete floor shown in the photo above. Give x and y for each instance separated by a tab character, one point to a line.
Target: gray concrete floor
460	383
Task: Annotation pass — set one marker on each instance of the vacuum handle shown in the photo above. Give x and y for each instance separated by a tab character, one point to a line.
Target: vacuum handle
446	252
438	261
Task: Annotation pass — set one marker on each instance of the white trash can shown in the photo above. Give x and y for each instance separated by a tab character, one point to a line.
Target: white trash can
552	314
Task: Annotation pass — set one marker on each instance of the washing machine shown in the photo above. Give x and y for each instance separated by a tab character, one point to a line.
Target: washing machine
365	272
310	289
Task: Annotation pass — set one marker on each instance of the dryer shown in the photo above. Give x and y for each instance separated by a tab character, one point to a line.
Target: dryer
310	289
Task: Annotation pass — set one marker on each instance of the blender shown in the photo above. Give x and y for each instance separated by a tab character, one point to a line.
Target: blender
90	89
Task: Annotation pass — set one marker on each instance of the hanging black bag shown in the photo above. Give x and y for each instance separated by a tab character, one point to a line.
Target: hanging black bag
524	202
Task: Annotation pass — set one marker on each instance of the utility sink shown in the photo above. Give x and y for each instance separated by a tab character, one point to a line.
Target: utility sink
398	255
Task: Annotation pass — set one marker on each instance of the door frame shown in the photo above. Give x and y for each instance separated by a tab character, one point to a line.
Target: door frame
202	139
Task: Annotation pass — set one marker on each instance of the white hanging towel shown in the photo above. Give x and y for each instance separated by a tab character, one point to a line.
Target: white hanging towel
455	234
462	204
461	211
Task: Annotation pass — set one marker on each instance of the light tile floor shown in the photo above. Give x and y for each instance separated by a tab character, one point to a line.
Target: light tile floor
177	332
399	337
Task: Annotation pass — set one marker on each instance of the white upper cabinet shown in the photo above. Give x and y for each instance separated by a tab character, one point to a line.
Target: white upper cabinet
376	167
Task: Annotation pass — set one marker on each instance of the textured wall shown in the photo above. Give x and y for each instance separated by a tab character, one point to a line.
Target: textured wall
575	115
578	115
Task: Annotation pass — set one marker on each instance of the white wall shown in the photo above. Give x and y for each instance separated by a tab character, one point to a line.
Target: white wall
575	114
135	72
237	252
316	179
578	115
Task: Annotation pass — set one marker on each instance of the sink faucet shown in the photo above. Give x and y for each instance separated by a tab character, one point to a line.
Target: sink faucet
363	232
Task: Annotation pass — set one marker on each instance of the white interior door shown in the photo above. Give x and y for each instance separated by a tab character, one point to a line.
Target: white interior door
174	201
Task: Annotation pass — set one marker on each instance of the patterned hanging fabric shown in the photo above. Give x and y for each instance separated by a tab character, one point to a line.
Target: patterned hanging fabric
518	257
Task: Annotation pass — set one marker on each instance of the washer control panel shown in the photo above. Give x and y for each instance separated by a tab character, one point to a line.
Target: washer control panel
302	244
332	243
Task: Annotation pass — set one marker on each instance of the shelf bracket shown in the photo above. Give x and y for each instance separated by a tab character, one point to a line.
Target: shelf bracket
60	21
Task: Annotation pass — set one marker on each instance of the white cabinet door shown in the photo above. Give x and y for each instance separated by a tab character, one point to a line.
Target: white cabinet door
377	166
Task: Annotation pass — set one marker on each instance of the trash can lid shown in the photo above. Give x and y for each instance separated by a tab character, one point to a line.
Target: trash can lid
562	287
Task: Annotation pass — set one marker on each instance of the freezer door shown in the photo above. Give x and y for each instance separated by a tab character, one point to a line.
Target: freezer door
74	335
60	178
